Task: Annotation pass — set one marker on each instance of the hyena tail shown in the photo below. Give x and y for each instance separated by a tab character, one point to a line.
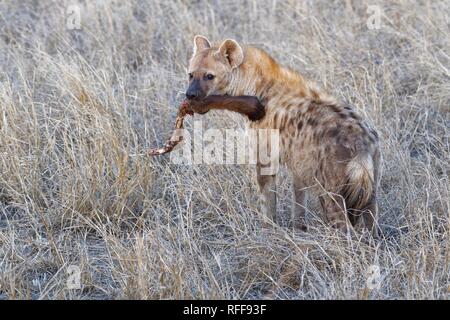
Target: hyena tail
360	191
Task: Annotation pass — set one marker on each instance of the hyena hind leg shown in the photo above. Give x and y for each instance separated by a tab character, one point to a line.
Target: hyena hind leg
299	204
369	216
268	197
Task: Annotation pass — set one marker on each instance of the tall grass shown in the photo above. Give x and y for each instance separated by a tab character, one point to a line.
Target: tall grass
78	107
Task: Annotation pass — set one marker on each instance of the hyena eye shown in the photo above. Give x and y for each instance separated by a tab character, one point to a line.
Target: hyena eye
210	76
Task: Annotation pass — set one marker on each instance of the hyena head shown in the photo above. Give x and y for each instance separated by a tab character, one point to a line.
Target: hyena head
211	67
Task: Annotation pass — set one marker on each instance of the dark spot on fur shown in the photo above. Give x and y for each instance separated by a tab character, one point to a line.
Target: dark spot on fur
343	152
290	122
275	118
361	125
299	125
342	115
348	108
353	115
335	108
374	133
317	136
333	132
371	139
327	149
312	122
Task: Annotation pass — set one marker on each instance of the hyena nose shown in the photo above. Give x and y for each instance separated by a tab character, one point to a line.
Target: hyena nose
192	94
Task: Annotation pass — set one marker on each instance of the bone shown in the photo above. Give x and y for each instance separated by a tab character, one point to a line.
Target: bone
170	144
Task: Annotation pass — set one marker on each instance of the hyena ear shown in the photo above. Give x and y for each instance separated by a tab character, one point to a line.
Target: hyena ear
232	51
200	43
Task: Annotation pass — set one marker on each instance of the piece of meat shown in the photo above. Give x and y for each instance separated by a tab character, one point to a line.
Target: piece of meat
249	106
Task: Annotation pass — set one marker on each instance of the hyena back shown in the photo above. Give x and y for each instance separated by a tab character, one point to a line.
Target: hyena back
327	146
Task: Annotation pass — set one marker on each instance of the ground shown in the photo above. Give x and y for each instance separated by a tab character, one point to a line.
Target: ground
79	105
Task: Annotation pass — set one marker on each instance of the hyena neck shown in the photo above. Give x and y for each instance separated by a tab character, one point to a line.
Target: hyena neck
260	75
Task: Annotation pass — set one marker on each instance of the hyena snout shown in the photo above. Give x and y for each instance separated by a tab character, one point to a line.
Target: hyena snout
192	94
194	91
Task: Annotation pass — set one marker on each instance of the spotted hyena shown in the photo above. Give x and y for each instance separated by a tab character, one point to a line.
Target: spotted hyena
328	147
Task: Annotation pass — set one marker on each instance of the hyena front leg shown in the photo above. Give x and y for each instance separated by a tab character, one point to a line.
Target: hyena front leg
299	205
334	211
370	218
268	197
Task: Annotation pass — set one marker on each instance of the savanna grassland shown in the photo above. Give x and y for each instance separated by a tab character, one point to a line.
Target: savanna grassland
79	107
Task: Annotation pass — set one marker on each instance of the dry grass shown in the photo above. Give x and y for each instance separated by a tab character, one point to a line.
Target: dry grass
76	105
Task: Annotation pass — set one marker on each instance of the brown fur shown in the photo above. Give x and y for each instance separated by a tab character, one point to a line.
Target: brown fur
330	150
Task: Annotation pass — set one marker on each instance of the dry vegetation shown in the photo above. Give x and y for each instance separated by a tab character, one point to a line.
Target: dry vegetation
77	107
